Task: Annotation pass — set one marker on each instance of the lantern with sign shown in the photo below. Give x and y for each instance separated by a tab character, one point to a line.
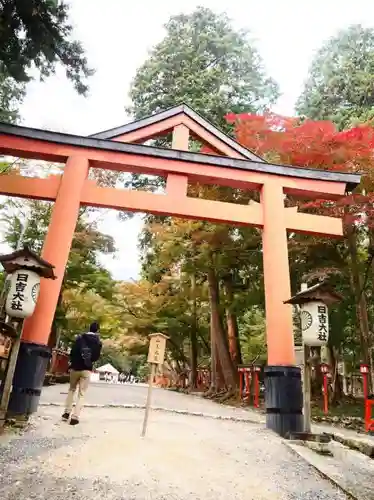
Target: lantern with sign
364	370
313	303
25	269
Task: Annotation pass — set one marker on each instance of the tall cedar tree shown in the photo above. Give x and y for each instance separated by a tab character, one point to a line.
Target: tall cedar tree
340	85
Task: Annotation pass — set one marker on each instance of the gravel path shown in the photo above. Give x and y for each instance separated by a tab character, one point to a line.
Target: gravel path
182	458
135	394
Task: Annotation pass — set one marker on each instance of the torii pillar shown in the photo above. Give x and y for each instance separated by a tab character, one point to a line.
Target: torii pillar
283	390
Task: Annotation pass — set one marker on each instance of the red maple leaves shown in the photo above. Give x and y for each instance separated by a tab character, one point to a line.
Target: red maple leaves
315	144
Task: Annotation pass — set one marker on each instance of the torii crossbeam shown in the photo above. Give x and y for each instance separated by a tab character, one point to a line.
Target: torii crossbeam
121	150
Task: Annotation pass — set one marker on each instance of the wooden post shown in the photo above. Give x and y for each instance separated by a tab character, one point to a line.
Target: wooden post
149	395
8	382
307	389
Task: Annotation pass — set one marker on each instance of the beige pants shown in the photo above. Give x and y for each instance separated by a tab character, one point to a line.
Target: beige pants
80	380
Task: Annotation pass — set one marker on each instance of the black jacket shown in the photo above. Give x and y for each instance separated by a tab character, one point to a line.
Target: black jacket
92	341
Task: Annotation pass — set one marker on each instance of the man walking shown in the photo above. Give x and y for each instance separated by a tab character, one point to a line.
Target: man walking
84	352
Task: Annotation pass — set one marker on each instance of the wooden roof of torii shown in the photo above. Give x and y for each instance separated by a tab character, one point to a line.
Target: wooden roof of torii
164	121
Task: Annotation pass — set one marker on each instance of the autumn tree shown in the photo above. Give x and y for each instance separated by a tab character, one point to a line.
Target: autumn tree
213	68
223	259
319	145
148	307
340	85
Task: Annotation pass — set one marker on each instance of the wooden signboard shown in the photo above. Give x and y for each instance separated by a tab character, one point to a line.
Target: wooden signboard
157	346
156	355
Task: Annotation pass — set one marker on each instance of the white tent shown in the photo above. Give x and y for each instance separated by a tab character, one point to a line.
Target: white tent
103	372
108	368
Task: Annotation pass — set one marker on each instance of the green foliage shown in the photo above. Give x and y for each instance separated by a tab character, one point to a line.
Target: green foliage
252	335
38	33
86	281
11	96
118	359
205	63
340	86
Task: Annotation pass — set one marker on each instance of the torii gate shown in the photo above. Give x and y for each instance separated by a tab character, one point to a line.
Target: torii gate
121	149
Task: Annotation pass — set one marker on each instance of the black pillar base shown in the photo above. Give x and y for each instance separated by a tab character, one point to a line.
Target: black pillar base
28	378
284	399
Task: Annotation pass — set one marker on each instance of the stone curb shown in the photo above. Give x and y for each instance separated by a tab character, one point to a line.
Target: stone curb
162	409
358	444
296	448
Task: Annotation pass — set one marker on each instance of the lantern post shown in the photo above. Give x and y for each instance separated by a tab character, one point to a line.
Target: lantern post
313	305
325	370
364	370
24	269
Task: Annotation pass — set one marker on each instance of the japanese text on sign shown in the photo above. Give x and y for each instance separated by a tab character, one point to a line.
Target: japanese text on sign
322	323
18	297
156	356
22	293
156	351
314	323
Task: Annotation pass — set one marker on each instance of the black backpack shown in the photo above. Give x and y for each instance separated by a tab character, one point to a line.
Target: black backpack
86	354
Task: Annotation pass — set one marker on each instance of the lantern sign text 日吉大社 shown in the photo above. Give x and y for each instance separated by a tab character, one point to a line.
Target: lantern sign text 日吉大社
22	294
314	323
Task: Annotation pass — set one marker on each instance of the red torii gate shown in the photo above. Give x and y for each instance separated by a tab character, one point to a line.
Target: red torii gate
120	149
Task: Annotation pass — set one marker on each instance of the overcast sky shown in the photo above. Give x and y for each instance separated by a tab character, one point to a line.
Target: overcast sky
117	36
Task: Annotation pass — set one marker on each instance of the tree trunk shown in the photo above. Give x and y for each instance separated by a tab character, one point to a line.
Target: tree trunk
213	358
223	355
193	335
337	390
360	296
232	325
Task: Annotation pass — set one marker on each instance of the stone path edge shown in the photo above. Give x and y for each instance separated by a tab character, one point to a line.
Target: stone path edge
296	451
162	409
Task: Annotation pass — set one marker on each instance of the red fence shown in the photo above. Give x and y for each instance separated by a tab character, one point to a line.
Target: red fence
59	362
247	374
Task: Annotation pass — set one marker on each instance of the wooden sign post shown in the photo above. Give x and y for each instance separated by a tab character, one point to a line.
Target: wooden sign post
156	354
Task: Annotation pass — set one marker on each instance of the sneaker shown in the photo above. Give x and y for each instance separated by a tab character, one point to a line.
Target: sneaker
74	421
65	416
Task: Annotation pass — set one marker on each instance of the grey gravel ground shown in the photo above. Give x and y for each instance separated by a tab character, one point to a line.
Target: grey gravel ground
104	394
353	471
182	458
